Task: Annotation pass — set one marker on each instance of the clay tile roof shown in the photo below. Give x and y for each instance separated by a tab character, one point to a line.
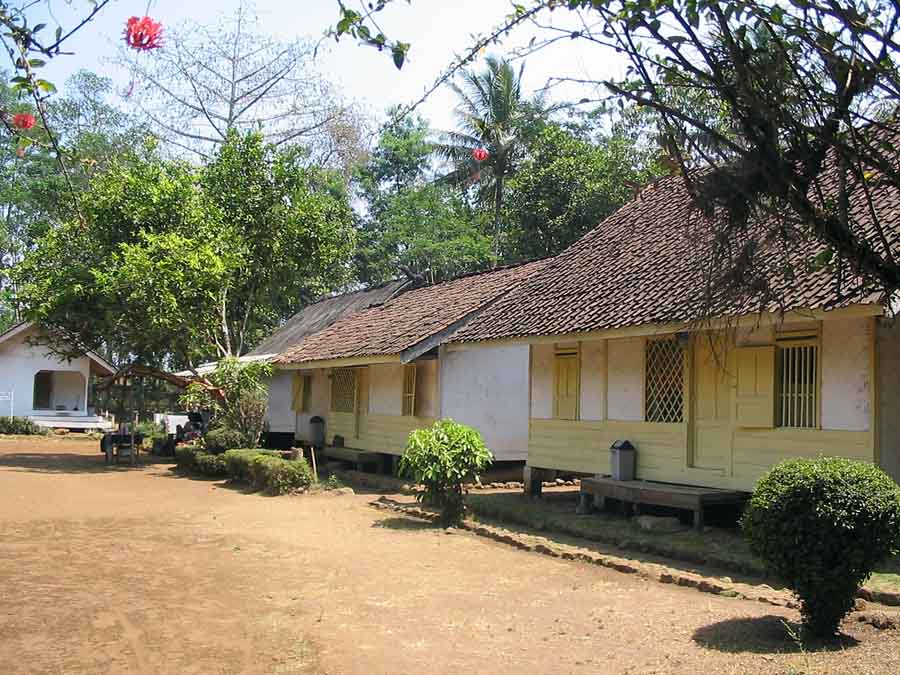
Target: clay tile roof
645	265
409	318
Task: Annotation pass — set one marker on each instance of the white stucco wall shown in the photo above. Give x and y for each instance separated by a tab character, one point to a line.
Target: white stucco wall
542	381
846	386
593	380
487	387
279	413
18	364
386	389
626	379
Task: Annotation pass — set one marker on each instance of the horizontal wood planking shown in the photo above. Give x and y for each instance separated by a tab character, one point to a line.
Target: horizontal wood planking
583	446
378	433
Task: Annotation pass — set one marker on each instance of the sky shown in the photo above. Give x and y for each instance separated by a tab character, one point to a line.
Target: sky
437	29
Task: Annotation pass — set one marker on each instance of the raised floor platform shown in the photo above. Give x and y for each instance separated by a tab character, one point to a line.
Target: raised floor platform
86	422
362	458
632	492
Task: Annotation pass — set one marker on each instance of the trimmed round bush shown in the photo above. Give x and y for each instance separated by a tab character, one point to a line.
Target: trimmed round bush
443	458
210	465
239	463
280	476
822	525
223	439
185	457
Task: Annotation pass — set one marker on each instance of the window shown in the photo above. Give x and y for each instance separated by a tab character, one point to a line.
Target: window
797	382
409	390
566	385
301	400
343	390
664	381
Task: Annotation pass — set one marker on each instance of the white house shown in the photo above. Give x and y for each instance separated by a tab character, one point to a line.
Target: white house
53	392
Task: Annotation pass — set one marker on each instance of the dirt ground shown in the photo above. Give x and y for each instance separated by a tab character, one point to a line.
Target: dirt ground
137	570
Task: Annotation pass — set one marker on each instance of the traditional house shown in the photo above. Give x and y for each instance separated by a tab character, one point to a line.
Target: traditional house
53	392
623	346
379	370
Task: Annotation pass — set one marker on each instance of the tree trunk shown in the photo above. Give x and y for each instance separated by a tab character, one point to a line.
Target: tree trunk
498	206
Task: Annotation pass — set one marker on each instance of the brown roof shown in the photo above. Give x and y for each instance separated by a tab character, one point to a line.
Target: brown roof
645	265
410	318
319	315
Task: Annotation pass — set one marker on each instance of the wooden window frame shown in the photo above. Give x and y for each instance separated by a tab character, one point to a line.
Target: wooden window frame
789	413
354	395
408	395
684	348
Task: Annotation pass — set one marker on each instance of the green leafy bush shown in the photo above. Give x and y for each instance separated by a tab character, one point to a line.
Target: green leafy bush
185	457
279	476
239	463
822	525
223	439
443	458
21	426
207	464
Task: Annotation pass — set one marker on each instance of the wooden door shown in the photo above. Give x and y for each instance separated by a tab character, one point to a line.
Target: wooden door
711	424
565	399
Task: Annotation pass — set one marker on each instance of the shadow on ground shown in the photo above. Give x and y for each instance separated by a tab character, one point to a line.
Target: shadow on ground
66	462
763	635
397	523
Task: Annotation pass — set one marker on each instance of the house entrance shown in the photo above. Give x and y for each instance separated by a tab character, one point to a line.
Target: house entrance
711	410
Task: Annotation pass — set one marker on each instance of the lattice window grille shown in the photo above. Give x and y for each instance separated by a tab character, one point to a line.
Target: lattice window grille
798	386
665	381
343	390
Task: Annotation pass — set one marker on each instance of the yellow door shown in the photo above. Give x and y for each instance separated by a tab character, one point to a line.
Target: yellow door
711	426
565	399
362	401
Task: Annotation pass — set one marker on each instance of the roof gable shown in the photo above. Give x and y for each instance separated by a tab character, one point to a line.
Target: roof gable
104	366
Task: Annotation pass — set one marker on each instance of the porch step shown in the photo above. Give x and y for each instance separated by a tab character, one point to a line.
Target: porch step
73	422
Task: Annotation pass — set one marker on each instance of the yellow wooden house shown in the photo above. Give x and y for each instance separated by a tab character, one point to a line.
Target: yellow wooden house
621	347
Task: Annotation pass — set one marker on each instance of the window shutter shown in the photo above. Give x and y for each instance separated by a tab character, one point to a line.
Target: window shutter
565	400
298	393
306	398
409	390
755	399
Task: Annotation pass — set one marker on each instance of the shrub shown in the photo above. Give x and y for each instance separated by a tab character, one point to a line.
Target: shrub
185	457
443	458
210	465
279	476
223	439
239	462
822	525
21	426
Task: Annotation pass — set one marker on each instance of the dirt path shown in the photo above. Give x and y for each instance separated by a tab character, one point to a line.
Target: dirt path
135	570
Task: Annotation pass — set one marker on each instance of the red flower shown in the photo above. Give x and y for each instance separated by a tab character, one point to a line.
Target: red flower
143	33
23	121
480	154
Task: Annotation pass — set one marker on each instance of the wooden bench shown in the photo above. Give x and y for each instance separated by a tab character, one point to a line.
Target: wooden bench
631	492
361	458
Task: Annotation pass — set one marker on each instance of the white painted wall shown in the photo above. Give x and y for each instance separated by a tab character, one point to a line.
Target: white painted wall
486	386
626	379
386	389
279	413
846	386
593	380
18	364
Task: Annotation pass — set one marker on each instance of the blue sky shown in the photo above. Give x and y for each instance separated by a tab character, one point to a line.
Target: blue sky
437	29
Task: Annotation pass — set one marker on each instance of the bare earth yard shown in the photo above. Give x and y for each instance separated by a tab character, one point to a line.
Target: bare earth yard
138	570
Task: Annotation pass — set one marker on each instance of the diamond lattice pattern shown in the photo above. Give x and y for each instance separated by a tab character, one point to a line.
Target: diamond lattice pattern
343	390
665	381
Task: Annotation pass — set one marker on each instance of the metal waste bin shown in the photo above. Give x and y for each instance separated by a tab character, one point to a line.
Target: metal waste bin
621	460
317	431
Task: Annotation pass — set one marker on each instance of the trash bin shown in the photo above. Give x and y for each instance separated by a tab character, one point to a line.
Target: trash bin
317	431
621	460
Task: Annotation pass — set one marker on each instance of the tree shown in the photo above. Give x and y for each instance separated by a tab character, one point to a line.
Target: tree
565	186
178	264
411	222
491	116
808	91
211	80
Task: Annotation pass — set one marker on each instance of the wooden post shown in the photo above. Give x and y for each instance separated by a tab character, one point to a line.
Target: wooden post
312	456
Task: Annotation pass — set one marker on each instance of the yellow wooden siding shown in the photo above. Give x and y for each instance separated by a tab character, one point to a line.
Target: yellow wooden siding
378	433
409	390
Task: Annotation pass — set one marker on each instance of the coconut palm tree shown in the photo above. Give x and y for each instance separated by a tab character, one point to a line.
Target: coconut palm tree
490	135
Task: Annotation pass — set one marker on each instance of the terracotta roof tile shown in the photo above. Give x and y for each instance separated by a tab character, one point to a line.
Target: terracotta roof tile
645	265
408	318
